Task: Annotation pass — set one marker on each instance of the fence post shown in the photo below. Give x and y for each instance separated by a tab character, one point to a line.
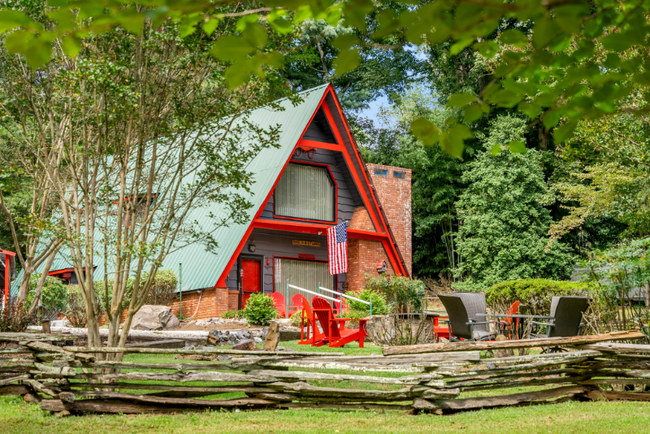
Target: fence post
287	299
180	290
371	305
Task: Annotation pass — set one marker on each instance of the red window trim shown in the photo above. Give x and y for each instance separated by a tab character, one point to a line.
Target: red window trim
336	195
336	279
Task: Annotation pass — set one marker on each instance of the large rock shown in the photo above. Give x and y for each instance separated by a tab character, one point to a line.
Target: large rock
151	317
245	345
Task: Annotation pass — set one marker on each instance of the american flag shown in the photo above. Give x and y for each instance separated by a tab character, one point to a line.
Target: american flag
337	246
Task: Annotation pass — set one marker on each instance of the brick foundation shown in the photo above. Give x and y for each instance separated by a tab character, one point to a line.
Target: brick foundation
363	256
214	302
393	187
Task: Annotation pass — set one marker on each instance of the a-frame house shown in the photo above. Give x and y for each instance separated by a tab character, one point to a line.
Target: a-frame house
316	179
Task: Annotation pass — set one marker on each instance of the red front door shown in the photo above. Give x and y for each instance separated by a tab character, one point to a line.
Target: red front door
250	280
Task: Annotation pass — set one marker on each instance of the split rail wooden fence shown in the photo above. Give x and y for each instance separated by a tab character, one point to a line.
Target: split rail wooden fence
435	378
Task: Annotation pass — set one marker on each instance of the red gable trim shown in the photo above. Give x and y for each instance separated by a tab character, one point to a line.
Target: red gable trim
383	235
7	252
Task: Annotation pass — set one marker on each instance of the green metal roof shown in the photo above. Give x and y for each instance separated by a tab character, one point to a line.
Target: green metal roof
202	269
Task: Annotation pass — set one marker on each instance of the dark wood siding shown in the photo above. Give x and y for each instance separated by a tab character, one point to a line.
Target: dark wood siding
269	243
348	196
319	130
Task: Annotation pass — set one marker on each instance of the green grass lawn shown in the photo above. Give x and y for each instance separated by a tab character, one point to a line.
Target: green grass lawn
569	417
565	418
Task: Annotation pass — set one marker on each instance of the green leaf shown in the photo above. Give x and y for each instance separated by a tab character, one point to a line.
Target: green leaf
505	98
460	99
188	25
459	46
514	37
544	32
495	150
565	131
17	42
71	46
231	48
531	110
279	23
38	53
487	49
517	147
13	19
473	112
210	26
256	34
550	119
346	61
426	131
131	20
348	58
273	59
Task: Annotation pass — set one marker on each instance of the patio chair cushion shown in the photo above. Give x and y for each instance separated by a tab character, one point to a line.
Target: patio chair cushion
480	334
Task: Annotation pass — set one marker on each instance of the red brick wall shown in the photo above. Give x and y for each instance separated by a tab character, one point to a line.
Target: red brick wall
363	256
214	302
395	197
361	220
233	299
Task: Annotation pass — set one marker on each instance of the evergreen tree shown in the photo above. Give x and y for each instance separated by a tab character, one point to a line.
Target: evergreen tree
503	220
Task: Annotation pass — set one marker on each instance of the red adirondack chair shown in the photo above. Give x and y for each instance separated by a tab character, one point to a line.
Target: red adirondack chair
334	328
308	319
279	303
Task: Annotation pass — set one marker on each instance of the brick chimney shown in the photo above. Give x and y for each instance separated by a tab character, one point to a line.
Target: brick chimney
393	186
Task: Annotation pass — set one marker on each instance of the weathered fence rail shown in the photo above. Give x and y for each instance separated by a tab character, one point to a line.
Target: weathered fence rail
427	378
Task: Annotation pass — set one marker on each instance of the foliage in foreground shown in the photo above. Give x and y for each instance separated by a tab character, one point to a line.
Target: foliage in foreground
260	310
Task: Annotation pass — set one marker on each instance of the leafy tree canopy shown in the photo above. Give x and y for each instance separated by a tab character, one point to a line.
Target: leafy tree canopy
556	61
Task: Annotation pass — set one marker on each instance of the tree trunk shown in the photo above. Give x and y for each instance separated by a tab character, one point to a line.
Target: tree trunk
41	282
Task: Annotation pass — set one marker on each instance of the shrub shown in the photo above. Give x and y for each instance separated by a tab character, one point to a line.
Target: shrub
76	308
357	314
260	310
296	319
401	293
534	296
379	306
13	318
233	314
162	292
53	297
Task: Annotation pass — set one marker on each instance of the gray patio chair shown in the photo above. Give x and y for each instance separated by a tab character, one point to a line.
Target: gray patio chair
567	316
460	323
475	304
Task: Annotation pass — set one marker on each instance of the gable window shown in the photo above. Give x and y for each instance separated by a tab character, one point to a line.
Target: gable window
306	191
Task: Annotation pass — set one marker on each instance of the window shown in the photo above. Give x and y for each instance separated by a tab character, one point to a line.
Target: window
400	175
304	274
381	172
305	191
